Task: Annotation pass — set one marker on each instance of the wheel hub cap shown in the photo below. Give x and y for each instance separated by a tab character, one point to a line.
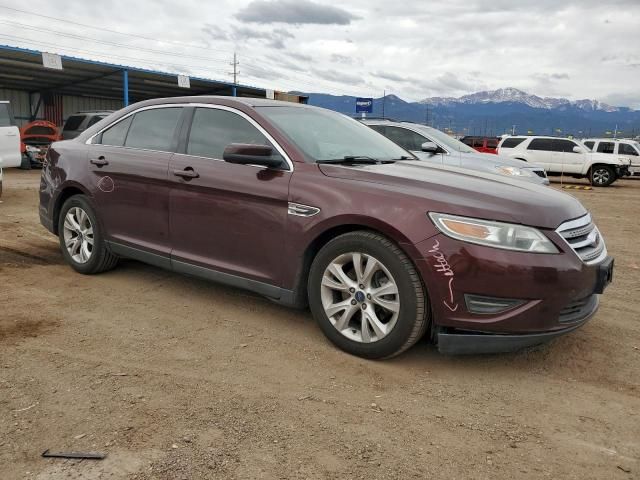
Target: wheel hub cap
78	235
360	297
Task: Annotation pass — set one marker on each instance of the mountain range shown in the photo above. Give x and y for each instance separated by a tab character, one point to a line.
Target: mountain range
499	111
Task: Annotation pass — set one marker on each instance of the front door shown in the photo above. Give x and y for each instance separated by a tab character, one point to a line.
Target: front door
226	217
129	162
564	157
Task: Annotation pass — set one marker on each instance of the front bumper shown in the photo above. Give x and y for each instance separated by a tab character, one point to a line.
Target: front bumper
634	170
555	293
452	342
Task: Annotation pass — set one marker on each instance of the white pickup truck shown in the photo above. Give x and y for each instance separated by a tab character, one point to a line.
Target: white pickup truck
623	149
9	140
564	156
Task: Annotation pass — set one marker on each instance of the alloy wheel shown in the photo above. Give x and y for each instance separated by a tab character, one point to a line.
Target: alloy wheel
360	297
601	176
78	235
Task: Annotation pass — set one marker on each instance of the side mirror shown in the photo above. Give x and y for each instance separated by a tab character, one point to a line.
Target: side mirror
248	154
429	147
577	149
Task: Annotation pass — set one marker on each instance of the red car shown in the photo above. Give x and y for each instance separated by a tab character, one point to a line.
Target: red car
36	137
482	144
311	208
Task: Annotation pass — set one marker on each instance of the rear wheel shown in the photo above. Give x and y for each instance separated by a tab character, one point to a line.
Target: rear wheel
81	239
602	176
366	295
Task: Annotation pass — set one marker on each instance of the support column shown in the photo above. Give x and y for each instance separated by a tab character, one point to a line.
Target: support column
234	91
125	87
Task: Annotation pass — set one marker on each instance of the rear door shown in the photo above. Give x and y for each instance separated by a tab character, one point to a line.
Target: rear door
129	162
9	138
540	151
227	217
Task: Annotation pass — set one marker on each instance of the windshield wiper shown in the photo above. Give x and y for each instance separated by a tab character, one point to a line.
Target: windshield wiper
362	159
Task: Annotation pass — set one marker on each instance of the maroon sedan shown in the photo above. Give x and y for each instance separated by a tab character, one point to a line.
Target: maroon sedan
309	207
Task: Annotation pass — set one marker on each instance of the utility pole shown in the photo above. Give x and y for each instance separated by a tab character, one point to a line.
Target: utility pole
615	132
384	99
235	73
513	129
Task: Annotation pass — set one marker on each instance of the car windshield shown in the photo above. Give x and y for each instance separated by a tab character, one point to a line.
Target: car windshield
325	135
446	140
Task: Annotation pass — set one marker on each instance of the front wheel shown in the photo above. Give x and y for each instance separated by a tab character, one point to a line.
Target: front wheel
602	176
81	240
367	296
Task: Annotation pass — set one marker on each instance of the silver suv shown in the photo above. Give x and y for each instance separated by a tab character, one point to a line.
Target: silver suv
79	122
432	145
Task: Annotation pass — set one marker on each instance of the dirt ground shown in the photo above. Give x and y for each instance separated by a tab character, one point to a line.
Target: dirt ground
177	378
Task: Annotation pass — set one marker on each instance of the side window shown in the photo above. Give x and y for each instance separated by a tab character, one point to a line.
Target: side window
213	129
73	122
406	138
544	144
116	135
5	115
378	128
626	149
468	141
563	146
492	143
153	129
589	143
606	147
512	142
95	119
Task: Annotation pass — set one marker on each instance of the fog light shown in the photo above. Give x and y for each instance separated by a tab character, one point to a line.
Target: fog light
490	305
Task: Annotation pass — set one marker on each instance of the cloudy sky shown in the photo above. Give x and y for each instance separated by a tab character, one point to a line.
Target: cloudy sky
414	49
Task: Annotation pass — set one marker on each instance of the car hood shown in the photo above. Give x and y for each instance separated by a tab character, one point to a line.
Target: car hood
468	193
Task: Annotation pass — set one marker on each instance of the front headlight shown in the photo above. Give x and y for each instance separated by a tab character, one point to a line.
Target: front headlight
512	171
508	236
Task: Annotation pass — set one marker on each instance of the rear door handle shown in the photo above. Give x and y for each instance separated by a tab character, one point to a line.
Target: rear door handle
187	173
100	161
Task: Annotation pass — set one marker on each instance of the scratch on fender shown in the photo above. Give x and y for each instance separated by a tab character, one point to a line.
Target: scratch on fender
442	266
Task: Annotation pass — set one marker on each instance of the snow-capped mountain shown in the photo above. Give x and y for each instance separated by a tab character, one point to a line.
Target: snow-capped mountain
513	95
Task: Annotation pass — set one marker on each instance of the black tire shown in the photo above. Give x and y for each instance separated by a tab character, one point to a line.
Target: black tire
101	258
602	176
413	316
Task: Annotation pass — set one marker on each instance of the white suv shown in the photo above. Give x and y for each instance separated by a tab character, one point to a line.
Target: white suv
560	156
9	140
623	149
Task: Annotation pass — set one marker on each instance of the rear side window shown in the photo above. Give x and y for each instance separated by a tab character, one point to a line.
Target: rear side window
153	129
626	149
5	115
213	129
95	119
405	138
606	147
563	146
512	142
117	134
589	144
73	123
544	144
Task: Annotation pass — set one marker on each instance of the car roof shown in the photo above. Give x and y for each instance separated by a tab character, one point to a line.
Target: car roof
218	99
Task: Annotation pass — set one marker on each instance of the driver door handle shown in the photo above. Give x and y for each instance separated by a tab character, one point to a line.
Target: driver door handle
99	162
186	173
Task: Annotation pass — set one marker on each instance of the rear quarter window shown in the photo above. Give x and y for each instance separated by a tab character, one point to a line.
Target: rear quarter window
73	123
512	142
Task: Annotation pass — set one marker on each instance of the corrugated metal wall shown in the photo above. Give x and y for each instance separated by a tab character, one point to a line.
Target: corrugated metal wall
71	104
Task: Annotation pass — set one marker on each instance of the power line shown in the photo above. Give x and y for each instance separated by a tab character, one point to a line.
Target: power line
105	42
108	30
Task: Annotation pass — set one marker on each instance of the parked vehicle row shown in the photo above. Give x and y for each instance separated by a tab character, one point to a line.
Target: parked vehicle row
437	147
383	247
564	156
625	150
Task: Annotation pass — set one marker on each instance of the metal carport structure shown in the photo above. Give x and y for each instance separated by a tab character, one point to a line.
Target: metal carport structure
53	94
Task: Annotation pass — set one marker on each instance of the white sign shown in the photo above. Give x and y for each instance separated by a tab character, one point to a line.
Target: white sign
271	94
51	60
183	81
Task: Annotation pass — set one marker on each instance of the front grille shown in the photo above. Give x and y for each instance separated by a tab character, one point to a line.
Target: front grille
540	173
579	309
584	238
